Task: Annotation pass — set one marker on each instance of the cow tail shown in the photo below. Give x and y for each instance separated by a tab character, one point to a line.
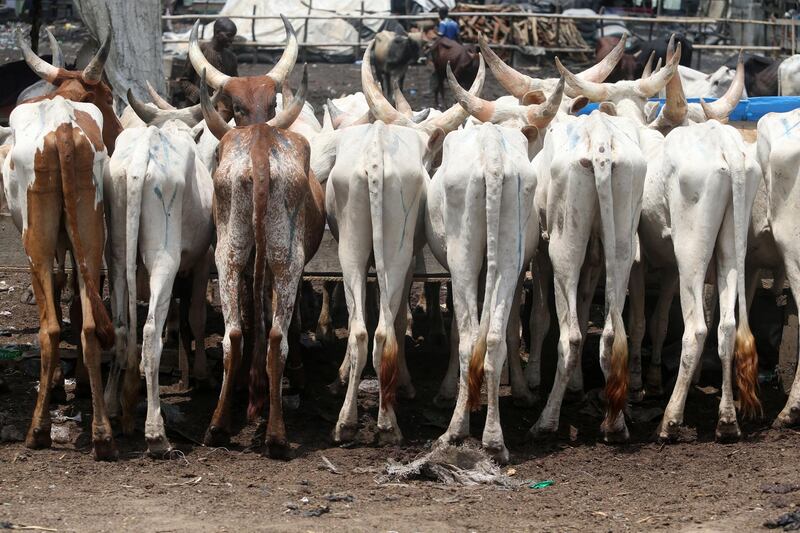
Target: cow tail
601	164
744	354
384	334
493	178
258	367
65	143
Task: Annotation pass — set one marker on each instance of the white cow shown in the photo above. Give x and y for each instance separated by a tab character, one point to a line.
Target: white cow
158	195
374	199
482	227
789	76
698	84
779	155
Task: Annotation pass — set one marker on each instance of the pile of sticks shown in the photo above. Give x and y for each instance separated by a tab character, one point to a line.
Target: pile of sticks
530	31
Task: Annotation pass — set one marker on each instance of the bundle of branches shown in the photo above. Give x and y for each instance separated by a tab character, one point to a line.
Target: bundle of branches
529	31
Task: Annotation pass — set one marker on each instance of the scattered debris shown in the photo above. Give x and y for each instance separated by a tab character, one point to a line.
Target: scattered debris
339	497
328	465
318	511
511	472
304	499
541	484
10	434
193	481
13	352
780	488
788	521
59	433
5	313
20	527
369	386
451	465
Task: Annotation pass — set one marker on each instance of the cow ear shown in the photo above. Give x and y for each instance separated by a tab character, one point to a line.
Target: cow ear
531	132
578	103
533	98
608	108
436	140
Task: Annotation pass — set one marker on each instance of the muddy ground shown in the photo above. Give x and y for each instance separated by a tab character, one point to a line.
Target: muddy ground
696	485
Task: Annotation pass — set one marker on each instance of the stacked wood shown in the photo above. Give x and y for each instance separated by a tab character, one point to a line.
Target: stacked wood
530	31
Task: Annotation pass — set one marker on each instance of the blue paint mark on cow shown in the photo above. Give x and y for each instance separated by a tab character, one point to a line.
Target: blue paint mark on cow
786	127
167	209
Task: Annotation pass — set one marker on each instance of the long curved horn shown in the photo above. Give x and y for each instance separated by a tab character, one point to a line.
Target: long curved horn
285	64
400	101
594	91
42	68
378	103
216	79
652	85
418	118
292	110
455	116
602	70
724	106
327	121
516	83
479	108
337	115
157	99
93	72
648	67
675	106
216	124
154	116
55	50
541	115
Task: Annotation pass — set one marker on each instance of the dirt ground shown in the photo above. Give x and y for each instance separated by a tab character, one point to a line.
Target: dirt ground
696	485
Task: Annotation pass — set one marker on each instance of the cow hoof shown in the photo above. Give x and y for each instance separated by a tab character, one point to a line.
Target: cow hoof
669	431
728	430
344	433
337	388
498	452
787	418
390	437
526	399
443	401
278	448
38	438
449	439
541	433
216	437
636	396
158	446
406	391
619	436
104	449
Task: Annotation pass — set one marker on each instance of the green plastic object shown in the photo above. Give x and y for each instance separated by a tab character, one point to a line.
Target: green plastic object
541	484
10	353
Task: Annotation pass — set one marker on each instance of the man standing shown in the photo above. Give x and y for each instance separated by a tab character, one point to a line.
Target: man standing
447	26
218	54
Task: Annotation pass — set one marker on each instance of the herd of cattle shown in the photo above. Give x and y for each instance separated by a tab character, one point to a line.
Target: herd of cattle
494	188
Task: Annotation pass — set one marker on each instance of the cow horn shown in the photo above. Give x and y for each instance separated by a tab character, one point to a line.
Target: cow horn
93	72
479	108
42	68
516	83
378	103
456	115
285	64
599	72
675	105
400	101
216	124
292	110
594	91
216	79
540	115
337	115
157	99
648	67
55	50
419	118
724	106
154	116
327	122
653	84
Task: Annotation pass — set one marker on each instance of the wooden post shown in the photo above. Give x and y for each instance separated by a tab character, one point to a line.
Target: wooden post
253	34
357	53
36	24
305	32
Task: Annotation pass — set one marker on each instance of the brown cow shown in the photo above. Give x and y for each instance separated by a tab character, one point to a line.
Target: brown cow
462	59
52	178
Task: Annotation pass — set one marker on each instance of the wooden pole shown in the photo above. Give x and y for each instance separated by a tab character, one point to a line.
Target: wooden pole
36	24
253	33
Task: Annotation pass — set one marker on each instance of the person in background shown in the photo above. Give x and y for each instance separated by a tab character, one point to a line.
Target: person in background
447	26
218	53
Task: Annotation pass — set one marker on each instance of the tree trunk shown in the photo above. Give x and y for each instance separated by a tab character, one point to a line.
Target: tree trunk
136	49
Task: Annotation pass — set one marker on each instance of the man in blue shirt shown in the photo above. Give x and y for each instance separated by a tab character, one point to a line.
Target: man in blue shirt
447	26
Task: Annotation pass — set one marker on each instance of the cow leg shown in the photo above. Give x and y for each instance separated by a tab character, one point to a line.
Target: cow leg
39	241
197	320
710	300
590	275
436	335
658	329
60	283
523	396
405	388
636	323
82	388
790	414
162	267
115	259
184	332
325	332
446	397
231	261
540	318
